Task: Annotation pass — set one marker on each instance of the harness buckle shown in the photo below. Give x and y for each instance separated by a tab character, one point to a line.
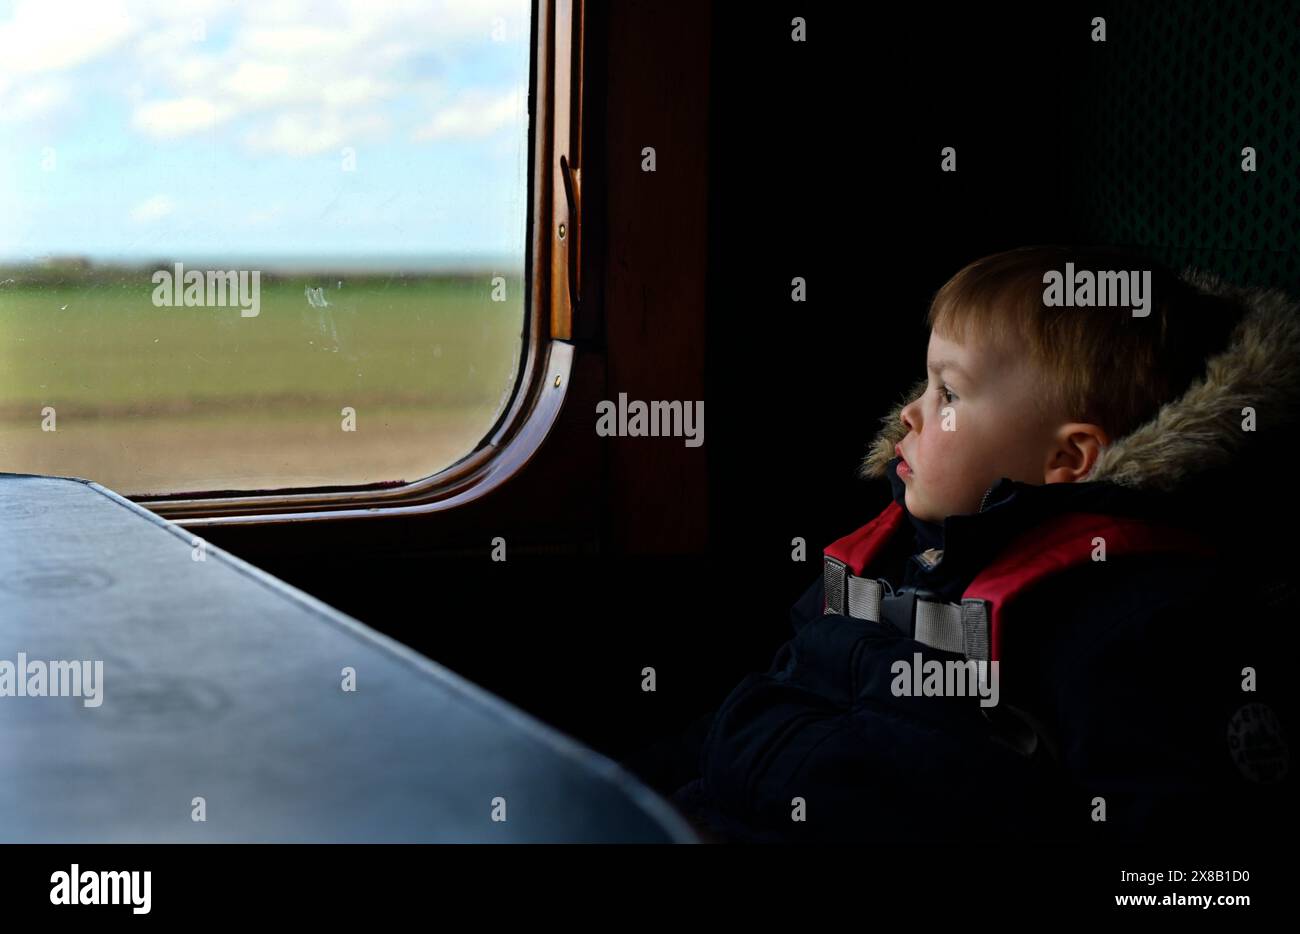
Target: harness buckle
899	608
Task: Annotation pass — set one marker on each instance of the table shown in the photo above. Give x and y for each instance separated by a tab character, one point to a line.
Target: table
223	698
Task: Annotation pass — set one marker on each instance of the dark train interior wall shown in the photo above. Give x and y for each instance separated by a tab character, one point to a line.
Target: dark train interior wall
817	160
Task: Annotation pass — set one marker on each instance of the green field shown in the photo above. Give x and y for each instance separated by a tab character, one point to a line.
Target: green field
169	399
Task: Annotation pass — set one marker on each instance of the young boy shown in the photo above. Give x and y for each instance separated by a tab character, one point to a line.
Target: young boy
1067	484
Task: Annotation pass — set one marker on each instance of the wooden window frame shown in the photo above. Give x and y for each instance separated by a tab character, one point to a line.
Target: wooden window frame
554	240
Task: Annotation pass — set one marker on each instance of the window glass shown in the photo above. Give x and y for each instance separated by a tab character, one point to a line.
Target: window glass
259	245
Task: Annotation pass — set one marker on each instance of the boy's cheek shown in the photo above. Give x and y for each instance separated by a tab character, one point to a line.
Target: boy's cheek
938	463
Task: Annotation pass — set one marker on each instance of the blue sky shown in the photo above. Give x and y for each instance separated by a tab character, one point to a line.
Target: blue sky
190	129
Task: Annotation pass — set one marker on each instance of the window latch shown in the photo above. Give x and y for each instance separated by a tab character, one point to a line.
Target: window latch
573	194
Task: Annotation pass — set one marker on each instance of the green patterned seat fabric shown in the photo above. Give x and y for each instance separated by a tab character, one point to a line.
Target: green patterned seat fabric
1168	102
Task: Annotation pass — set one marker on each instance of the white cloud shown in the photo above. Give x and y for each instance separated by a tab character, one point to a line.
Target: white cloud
304	135
474	114
295	42
53	35
178	117
293	77
260	82
33	101
351	92
152	209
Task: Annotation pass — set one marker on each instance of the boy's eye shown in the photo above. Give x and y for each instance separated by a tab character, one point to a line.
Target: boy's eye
945	393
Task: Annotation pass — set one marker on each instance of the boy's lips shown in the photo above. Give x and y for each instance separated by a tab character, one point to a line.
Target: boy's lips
904	469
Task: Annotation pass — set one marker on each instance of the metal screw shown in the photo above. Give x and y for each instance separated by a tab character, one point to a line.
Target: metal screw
562	231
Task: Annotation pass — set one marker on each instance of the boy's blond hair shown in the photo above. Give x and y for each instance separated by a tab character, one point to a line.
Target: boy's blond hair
1101	365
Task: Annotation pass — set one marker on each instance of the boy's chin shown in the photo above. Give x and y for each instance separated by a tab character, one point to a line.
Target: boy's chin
918	511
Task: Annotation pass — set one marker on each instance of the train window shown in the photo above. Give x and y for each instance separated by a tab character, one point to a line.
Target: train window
252	247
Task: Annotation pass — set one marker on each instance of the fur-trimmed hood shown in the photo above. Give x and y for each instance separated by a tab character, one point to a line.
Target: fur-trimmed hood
1200	433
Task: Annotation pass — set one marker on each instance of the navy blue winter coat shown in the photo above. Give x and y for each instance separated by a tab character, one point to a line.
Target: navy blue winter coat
1123	682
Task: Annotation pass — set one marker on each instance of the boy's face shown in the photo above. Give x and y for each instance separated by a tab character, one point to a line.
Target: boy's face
979	420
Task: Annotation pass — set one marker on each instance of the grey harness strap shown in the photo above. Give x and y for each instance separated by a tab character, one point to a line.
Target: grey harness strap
953	627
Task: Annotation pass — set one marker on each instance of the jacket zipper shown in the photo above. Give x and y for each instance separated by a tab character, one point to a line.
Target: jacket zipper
930	567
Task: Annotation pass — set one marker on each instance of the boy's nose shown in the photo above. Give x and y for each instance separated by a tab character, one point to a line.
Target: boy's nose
907	416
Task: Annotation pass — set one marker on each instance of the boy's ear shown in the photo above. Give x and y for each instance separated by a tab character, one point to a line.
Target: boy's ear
892	431
1079	445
